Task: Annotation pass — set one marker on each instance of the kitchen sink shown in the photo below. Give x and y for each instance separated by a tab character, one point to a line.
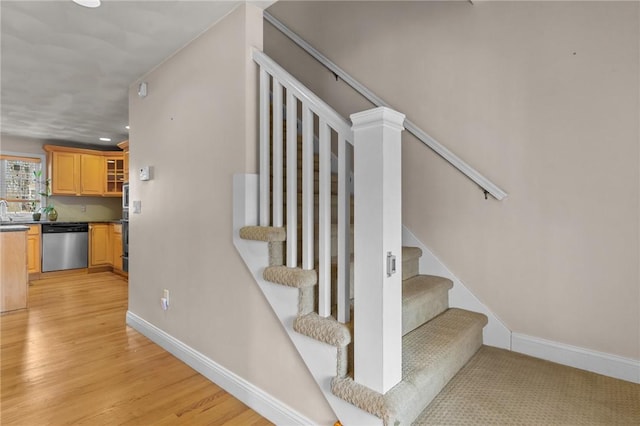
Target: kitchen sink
15	219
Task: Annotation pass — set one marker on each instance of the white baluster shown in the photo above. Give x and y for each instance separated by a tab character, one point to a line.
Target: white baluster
307	188
264	147
277	155
344	230
292	181
324	221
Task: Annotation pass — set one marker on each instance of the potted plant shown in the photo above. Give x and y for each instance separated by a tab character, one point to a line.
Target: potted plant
35	214
48	209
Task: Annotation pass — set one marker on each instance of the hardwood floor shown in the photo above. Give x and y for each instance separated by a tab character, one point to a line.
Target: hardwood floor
71	359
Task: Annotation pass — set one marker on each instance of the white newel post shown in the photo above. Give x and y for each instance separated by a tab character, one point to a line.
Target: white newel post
378	235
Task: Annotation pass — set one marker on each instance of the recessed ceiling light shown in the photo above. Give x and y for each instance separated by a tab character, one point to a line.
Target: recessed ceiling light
126	127
105	139
88	3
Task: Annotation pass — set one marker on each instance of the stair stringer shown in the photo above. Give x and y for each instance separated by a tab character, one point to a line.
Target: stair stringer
319	357
495	333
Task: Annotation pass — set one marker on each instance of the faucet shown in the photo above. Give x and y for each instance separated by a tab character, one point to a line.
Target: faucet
3	209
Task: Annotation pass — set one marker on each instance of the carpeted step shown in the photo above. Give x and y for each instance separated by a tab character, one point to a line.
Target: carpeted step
334	205
431	355
334	239
329	331
274	236
263	233
410	262
436	288
291	277
316	198
326	330
424	297
316	178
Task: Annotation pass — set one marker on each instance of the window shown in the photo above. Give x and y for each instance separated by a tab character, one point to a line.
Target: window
20	186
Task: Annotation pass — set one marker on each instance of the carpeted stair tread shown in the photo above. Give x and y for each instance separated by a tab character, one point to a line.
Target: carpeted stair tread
409	253
410	262
423	298
291	277
263	233
326	330
405	265
431	355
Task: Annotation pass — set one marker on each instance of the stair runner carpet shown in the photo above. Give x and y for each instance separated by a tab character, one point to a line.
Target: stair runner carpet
437	341
499	387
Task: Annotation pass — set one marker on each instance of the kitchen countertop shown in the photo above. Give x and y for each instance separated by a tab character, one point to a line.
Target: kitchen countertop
46	222
13	228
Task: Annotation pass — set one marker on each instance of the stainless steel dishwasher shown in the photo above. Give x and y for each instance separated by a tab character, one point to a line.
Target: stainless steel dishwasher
64	246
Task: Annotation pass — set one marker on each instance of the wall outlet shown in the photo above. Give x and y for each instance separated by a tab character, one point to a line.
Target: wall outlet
83	208
164	300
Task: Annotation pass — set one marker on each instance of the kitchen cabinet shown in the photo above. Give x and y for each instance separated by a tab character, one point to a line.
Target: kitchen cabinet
64	171
100	248
117	246
76	174
14	283
115	174
33	249
124	146
91	174
86	172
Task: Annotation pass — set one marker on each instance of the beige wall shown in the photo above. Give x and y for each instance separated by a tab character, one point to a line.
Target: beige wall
542	98
68	208
196	128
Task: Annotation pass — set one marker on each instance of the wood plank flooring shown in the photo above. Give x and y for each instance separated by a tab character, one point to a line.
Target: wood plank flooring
71	359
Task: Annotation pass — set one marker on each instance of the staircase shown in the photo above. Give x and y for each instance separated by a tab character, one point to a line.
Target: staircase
437	341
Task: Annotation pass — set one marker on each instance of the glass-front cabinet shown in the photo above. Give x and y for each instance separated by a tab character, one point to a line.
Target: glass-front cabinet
115	174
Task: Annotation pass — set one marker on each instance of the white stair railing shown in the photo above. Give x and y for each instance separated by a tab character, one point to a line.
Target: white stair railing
376	163
290	95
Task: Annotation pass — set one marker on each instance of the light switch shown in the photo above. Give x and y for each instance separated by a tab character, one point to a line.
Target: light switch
137	206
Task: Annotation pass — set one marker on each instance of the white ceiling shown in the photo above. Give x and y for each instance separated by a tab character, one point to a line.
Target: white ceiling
66	69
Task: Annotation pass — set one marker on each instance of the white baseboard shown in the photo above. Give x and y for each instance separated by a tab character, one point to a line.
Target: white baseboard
573	356
258	400
497	334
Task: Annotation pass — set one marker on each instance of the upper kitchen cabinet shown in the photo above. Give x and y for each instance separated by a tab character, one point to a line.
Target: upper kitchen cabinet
115	174
124	146
85	172
64	171
92	174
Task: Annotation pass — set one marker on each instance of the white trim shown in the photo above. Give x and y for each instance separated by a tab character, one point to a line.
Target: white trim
252	396
317	105
453	159
497	334
573	356
319	357
377	169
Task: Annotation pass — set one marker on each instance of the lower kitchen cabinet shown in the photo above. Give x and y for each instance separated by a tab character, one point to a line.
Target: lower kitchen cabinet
33	249
105	248
117	247
100	248
13	271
